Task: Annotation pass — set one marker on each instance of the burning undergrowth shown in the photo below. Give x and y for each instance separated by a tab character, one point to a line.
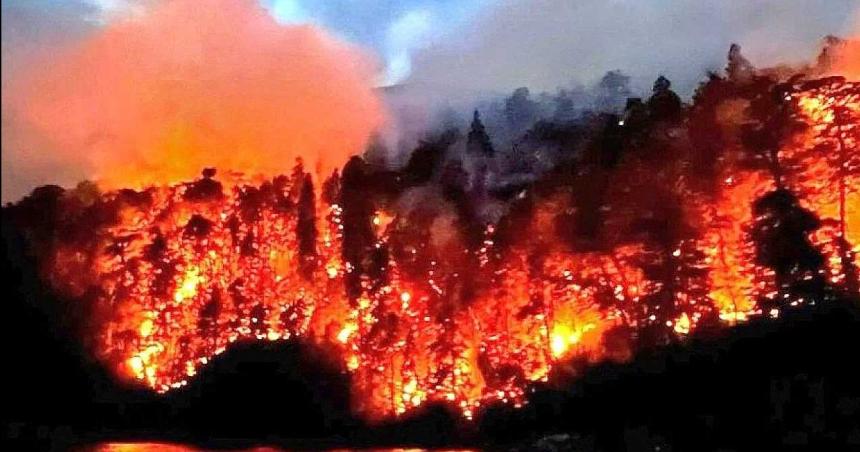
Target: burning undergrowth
445	281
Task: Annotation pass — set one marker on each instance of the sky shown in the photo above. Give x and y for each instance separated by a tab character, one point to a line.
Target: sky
394	29
502	44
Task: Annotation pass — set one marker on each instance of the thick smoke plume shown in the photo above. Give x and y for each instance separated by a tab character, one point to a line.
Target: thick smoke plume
157	97
544	44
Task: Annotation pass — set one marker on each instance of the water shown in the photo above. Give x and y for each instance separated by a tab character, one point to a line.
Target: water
174	447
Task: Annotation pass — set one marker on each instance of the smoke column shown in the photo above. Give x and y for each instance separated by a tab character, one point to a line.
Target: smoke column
156	97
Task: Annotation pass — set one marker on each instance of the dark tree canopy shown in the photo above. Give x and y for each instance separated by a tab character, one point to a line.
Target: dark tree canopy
520	109
358	236
664	104
781	236
738	69
426	159
306	224
478	141
565	108
613	90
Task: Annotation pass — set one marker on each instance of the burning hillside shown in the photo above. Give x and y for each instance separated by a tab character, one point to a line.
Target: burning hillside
672	220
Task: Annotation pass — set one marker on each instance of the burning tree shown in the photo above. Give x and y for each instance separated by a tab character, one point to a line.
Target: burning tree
780	232
655	224
828	157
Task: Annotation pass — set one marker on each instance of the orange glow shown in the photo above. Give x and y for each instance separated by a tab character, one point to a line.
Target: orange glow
181	276
832	112
847	56
221	85
727	247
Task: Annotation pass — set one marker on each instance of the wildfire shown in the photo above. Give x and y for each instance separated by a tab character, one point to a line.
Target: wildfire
182	271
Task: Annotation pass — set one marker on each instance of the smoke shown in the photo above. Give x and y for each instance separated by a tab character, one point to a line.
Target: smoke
544	44
847	55
157	96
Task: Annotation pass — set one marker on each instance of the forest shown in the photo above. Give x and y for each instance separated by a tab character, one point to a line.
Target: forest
570	230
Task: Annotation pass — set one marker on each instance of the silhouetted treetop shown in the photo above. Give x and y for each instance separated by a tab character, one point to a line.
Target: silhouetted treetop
478	140
664	104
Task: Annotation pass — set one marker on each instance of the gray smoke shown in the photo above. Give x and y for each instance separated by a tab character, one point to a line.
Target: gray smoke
544	44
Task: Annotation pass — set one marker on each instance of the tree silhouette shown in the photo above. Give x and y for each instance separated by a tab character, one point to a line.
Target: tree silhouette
738	68
781	236
612	90
306	228
520	110
331	188
478	142
772	123
426	159
706	136
565	109
664	104
358	236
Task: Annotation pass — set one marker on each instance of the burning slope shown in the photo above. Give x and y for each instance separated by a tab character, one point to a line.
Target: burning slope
173	274
154	99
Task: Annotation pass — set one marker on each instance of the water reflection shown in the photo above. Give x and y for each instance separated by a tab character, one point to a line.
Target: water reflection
168	447
141	447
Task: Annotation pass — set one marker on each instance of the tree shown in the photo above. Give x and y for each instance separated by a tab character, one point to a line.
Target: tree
358	236
706	136
612	91
376	154
306	229
453	179
331	188
663	228
664	104
635	123
564	107
478	142
296	178
520	110
425	160
781	236
772	123
738	68
834	117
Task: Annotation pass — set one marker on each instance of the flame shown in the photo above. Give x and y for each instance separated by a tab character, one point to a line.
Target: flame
727	247
182	275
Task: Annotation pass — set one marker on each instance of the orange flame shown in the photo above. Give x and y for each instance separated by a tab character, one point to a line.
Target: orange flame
182	276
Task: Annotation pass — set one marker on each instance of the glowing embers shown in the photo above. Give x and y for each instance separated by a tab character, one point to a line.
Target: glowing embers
194	277
827	172
179	276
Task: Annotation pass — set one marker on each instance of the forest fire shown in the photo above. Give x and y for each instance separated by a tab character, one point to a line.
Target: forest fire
173	274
